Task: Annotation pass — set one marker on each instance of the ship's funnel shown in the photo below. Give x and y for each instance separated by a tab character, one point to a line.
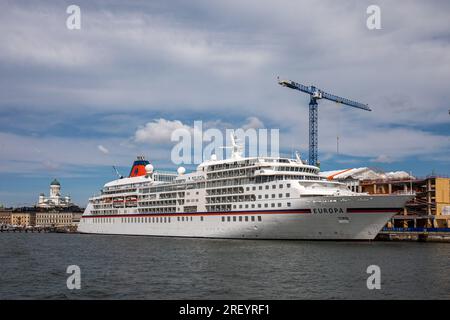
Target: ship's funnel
138	168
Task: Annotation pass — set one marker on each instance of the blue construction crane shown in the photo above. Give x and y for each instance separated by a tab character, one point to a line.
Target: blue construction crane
315	95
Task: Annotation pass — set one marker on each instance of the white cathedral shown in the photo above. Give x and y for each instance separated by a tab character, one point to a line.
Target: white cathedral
55	199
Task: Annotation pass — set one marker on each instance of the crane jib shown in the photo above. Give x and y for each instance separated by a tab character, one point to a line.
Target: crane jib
324	95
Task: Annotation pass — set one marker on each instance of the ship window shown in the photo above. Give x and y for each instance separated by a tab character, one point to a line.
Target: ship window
223	219
279	205
254	188
273	195
246	218
259	205
240	219
253	218
259	196
259	218
165	219
266	196
260	187
267	187
191	218
234	206
288	195
182	218
247	189
253	205
288	185
240	206
272	205
246	206
265	205
201	218
274	186
228	219
281	186
288	204
234	218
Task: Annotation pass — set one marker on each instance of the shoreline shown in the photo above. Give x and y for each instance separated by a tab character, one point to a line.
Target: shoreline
385	235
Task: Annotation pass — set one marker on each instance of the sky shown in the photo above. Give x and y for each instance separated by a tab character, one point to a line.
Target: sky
76	102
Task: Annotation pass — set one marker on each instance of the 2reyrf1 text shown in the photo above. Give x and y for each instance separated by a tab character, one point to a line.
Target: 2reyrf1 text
226	309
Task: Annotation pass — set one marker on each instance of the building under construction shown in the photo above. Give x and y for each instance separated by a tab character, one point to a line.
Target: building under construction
429	208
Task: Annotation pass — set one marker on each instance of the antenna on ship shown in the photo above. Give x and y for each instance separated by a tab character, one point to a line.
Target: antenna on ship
117	172
236	152
297	156
237	148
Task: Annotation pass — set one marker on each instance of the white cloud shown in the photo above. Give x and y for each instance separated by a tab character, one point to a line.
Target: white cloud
221	58
102	149
158	131
224	57
253	123
30	154
382	158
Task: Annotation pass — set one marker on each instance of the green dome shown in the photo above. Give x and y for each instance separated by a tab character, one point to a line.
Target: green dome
55	183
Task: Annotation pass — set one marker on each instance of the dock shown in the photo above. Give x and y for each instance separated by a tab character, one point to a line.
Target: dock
414	234
39	229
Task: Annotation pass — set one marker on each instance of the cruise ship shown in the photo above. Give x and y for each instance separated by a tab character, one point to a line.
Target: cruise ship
238	198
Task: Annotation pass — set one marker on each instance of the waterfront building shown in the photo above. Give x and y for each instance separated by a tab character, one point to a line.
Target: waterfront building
54	199
54	219
430	206
76	217
23	219
43	217
5	216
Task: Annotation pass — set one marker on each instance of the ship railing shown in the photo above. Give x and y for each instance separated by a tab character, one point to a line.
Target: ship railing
404	192
420	229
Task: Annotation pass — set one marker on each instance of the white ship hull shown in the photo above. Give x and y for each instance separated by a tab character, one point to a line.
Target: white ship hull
342	218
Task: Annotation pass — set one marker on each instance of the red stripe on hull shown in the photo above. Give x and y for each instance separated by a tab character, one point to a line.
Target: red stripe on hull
298	211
